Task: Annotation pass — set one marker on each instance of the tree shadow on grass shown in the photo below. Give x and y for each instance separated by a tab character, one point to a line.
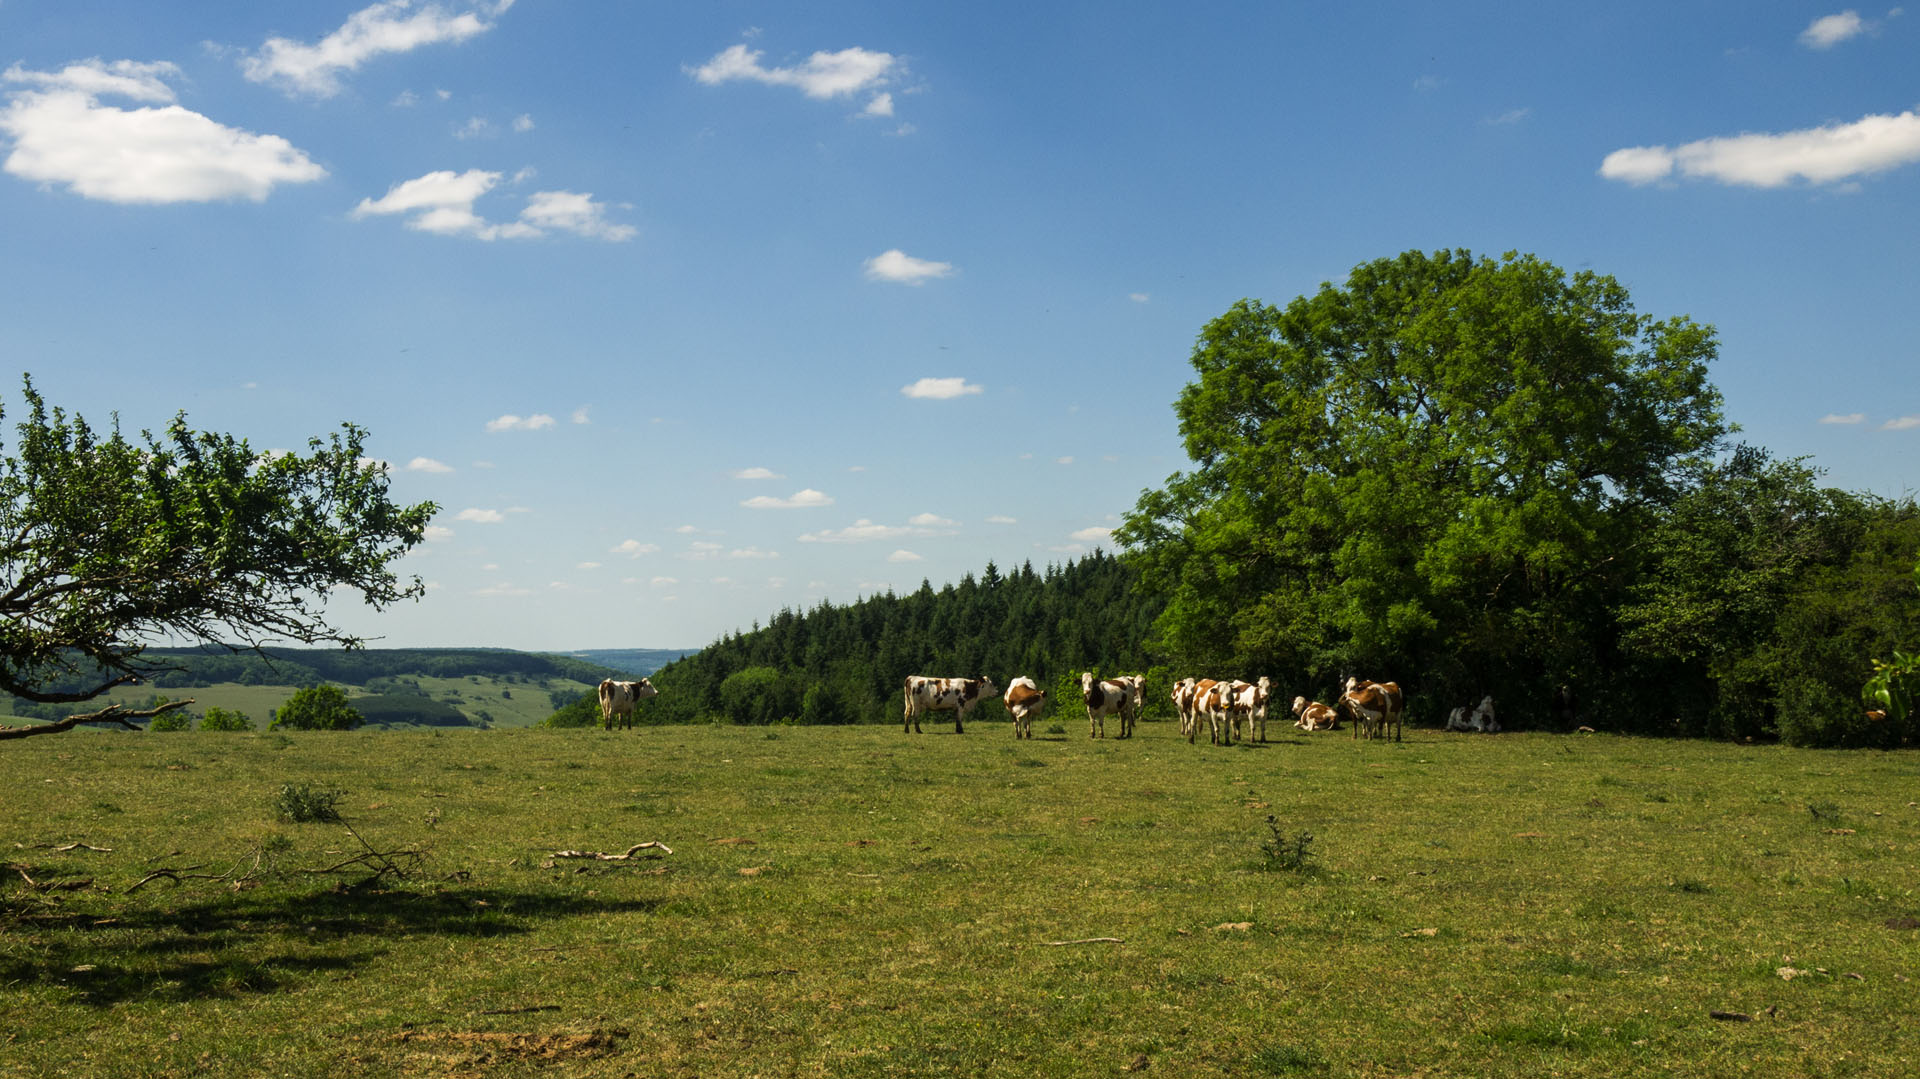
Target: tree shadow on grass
260	941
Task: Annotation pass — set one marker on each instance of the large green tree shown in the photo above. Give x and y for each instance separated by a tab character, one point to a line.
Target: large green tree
1434	473
108	543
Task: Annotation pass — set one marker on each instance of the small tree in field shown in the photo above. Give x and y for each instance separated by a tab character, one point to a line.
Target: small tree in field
225	719
316	708
108	543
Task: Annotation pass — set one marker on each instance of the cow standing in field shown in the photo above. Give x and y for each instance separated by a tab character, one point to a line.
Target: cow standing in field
1480	719
1374	706
956	695
1025	700
618	699
1248	706
1109	697
1214	703
1314	716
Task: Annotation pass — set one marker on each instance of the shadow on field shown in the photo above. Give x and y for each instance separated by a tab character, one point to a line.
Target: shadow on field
232	946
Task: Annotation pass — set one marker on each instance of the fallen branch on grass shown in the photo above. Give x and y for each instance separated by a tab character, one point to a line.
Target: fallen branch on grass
599	856
113	713
177	875
1088	940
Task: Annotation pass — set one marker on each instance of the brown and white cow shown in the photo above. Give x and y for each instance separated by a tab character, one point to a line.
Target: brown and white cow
1314	716
1480	719
1374	706
618	699
1247	707
1025	700
1110	697
956	695
1215	704
1186	694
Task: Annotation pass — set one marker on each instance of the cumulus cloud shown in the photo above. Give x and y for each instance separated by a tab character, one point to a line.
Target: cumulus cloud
881	105
1139	297
752	553
427	464
159	153
1820	155
941	389
442	202
757	473
1849	417
1904	423
633	548
393	26
587	565
800	500
904	555
511	422
480	516
901	268
1001	519
580	415
824	74
1829	30
438	534
1092	535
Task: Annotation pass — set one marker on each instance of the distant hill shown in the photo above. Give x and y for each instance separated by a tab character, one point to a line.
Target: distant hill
634	662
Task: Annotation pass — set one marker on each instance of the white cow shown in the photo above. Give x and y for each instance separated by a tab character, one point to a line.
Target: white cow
1480	720
1248	706
1110	697
618	699
1314	716
1025	700
956	695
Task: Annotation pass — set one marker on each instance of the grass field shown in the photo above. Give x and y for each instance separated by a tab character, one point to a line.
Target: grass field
482	698
859	902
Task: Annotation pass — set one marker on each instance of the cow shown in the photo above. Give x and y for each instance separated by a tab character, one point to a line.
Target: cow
1216	704
956	695
1374	706
1480	719
1025	700
1249	706
1110	697
1184	693
1314	716
618	699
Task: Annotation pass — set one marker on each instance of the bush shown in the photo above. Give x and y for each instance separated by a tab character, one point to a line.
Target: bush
305	805
225	719
171	721
317	708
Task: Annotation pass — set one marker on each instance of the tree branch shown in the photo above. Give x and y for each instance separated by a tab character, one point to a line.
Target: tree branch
112	713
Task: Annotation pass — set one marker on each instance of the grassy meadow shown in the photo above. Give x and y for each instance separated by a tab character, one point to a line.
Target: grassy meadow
856	902
482	698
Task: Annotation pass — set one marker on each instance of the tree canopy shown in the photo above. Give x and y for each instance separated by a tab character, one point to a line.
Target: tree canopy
1437	467
317	708
109	543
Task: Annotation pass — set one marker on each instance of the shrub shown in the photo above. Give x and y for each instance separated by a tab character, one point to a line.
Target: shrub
225	719
1292	855
171	721
317	708
304	804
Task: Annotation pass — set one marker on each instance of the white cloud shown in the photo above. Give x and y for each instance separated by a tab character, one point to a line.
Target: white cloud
757	473
522	123
392	26
1850	417
824	75
664	582
475	127
752	553
686	530
62	134
1821	155
904	555
480	516
442	202
587	565
1509	117
999	519
438	534
1063	460
511	422
1829	30
901	268
504	588
881	105
1904	423
800	500
1091	535
1139	297
634	548
580	414
941	389
864	530
427	464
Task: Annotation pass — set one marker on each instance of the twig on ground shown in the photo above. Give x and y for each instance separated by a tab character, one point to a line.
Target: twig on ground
1088	940
602	857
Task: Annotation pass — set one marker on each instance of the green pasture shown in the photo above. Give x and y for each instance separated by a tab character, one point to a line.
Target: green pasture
481	698
855	902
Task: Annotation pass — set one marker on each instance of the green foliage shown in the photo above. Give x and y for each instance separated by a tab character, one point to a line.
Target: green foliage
1290	855
390	708
225	719
1895	686
171	721
583	711
111	542
303	804
316	708
1434	469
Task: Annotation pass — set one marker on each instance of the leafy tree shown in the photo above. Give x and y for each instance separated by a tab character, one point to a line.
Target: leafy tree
172	721
225	719
1431	473
316	708
1895	684
108	542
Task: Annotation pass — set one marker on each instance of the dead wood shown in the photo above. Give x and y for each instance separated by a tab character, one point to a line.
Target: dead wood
603	857
1088	940
112	713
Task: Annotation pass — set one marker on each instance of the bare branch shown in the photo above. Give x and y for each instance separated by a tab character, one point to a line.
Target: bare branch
112	713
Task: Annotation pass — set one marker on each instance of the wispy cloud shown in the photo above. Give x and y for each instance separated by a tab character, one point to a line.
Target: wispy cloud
511	422
1092	535
898	267
480	516
806	499
580	415
1509	117
865	531
427	464
941	389
758	473
824	74
443	203
1904	423
63	135
633	548
1821	155
1849	417
393	26
904	555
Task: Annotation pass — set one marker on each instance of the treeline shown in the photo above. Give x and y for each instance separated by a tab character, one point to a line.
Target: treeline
845	664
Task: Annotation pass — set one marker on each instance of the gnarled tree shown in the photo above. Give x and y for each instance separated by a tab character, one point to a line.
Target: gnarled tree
108	544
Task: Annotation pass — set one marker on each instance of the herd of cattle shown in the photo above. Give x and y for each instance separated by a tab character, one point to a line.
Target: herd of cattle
1229	709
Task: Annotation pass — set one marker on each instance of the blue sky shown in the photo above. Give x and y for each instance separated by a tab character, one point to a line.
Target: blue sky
686	313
